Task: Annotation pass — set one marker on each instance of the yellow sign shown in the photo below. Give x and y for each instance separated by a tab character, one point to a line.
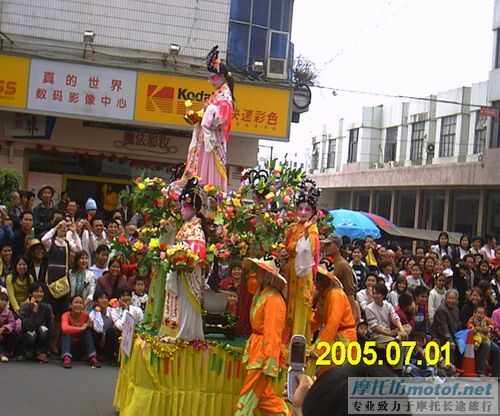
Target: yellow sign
13	81
260	112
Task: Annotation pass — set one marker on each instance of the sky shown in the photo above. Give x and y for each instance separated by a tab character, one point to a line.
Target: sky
399	47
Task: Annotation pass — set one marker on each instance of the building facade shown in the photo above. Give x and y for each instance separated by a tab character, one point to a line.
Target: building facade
92	92
429	164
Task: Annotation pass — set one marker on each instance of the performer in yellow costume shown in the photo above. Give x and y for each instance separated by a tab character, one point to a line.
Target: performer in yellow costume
264	350
301	255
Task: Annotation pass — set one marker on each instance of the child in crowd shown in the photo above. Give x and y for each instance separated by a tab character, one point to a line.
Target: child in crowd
101	262
76	335
139	296
400	287
125	305
418	366
8	325
436	295
386	271
415	279
406	312
482	327
496	260
362	333
36	318
421	310
447	268
105	335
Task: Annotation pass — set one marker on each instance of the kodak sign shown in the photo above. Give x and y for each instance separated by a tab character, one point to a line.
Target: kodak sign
260	112
13	81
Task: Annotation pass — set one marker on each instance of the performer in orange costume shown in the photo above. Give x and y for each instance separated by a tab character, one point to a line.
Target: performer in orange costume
333	313
264	351
301	287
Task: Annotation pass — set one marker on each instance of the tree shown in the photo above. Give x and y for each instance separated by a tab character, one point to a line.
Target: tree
304	72
10	180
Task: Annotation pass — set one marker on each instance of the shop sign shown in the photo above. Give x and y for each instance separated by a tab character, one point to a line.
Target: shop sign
81	89
146	142
489	111
13	81
260	112
24	125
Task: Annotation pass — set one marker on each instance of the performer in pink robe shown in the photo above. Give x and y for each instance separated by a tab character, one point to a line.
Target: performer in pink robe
207	151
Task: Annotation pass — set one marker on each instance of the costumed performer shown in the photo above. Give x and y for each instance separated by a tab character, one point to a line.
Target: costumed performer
333	313
263	354
182	310
207	151
301	258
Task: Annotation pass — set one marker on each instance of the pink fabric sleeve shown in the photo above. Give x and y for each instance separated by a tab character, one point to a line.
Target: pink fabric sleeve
496	319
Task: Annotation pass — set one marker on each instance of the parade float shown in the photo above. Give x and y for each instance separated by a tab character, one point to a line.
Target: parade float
165	374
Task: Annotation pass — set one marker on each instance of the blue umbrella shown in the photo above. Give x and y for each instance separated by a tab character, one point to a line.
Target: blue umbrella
353	224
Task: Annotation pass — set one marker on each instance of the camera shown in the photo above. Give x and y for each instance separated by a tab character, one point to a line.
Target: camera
297	361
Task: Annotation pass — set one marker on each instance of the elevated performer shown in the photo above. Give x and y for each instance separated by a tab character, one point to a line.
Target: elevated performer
207	151
182	310
301	258
263	352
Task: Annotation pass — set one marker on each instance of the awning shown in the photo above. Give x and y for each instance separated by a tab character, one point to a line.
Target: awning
419	234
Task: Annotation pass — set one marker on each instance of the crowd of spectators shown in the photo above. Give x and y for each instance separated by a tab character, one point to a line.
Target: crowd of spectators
42	245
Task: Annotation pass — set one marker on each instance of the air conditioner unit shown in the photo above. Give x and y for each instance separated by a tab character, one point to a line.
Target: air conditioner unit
276	69
430	148
376	165
392	164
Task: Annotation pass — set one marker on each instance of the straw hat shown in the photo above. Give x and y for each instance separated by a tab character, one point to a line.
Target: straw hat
325	268
34	242
270	264
50	188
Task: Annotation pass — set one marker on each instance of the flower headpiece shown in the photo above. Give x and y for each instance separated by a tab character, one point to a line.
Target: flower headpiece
308	193
259	181
190	194
214	63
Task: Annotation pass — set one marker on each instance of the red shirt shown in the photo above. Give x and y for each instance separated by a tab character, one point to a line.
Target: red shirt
404	317
70	326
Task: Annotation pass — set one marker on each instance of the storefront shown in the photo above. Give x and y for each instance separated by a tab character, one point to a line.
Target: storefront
91	130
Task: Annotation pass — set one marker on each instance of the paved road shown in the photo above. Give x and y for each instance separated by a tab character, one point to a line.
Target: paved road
30	388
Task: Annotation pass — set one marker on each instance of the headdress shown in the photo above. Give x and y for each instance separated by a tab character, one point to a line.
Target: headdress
190	194
308	193
214	63
325	268
259	181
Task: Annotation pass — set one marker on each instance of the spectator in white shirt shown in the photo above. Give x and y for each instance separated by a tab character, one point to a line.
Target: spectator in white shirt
104	333
385	268
118	314
101	262
415	279
98	236
488	250
365	296
436	295
139	295
380	315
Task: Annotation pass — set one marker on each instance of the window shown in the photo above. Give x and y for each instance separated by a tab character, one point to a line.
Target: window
391	139
332	145
254	26
315	157
495	130
417	141
353	146
447	139
480	133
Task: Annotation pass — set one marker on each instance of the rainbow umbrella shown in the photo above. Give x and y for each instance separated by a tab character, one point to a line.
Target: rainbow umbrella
378	220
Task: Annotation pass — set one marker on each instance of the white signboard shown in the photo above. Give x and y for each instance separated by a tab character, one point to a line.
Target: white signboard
128	334
81	89
38	179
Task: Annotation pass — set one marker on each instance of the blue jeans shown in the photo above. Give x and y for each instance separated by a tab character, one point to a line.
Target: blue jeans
484	352
85	343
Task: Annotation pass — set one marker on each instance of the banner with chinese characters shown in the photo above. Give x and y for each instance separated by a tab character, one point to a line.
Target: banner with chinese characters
13	81
81	89
260	112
